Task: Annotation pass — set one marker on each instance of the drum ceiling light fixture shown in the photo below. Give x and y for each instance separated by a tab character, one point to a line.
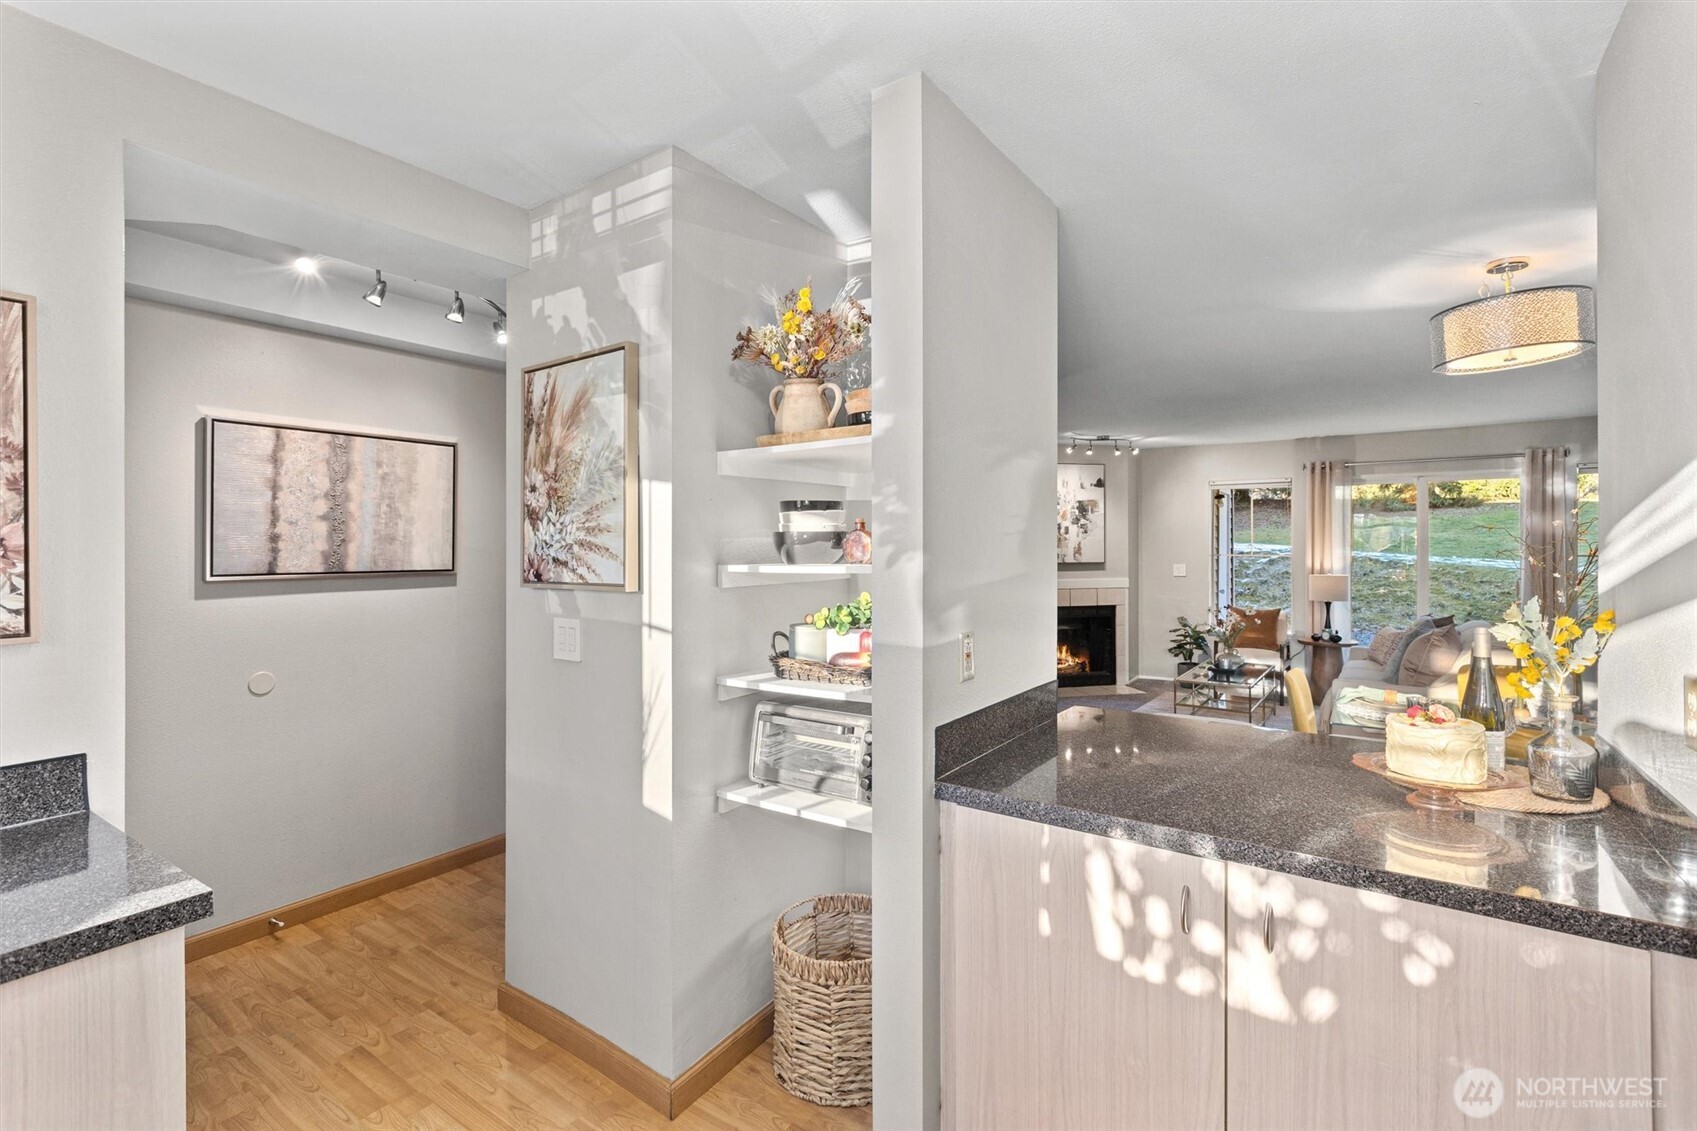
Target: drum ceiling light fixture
1513	329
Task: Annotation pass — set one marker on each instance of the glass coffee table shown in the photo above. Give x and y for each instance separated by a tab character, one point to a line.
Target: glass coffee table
1251	691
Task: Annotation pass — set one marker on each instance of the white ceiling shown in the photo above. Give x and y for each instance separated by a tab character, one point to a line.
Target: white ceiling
1261	204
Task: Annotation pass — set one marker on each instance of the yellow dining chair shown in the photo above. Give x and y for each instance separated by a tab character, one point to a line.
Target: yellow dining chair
1301	696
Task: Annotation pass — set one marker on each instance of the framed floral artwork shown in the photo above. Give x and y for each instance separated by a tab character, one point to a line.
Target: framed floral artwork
578	513
297	501
20	582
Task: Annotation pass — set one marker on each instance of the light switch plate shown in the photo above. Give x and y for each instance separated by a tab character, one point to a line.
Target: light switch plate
1178	569
1691	711
968	668
567	639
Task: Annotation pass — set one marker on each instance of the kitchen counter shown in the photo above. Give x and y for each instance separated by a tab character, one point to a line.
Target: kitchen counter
72	885
1293	803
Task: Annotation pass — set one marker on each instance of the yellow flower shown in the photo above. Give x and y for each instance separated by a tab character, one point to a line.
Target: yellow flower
1521	649
1562	655
1605	622
776	362
804	300
819	354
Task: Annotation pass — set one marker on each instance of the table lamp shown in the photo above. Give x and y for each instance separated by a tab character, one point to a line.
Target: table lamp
1328	587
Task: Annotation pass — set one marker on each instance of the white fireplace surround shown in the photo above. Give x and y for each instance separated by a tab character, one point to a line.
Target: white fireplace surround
1115	591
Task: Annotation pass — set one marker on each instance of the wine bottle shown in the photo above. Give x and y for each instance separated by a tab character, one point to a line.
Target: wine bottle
1483	703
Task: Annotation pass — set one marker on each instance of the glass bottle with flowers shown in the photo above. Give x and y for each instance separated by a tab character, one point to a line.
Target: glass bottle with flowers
1551	653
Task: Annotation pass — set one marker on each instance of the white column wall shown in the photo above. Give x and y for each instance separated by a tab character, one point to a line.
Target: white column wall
964	389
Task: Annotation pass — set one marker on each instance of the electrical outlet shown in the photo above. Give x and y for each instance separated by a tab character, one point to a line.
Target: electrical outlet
1178	569
968	670
567	639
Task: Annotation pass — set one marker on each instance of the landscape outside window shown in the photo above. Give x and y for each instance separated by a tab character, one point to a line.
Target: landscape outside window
1258	558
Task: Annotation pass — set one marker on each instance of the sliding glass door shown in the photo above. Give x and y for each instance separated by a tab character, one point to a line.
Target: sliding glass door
1436	545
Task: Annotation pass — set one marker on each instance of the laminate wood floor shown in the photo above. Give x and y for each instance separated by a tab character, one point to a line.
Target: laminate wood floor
383	1016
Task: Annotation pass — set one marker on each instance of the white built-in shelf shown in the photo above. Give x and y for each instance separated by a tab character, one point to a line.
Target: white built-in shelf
766	683
843	463
734	576
837	811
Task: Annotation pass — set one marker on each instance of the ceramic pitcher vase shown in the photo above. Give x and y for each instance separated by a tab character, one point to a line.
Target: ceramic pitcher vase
800	404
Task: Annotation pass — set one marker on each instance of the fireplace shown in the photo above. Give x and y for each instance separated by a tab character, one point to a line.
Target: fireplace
1084	645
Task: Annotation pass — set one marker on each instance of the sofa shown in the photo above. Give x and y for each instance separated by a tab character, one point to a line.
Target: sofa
1361	671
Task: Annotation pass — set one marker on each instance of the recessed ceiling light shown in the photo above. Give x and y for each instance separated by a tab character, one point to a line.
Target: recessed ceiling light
306	265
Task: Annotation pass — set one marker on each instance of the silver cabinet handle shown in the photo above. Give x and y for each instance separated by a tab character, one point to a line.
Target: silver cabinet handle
1184	910
1267	927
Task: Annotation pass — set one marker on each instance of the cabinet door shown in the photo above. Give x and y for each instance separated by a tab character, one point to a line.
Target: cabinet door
1367	1011
1081	980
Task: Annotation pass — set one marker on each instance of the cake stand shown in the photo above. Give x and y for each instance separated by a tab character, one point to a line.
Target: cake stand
1436	795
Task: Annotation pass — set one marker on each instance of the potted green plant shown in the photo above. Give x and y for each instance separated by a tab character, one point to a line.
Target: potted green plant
1188	640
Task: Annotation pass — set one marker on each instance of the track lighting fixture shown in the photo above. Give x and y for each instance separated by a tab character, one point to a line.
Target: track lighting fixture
1135	451
1090	448
456	309
1117	447
1120	444
378	291
500	322
1070	448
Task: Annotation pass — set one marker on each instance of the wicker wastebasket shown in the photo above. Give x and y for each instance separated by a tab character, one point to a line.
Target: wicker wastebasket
822	1000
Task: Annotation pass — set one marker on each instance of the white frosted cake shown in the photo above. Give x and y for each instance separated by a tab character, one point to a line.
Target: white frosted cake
1432	744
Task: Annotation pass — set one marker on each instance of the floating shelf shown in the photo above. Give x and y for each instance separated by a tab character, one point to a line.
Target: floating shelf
843	463
836	811
735	576
766	683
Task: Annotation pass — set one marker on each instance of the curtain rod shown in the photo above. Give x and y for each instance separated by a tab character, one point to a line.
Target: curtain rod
1271	482
1439	459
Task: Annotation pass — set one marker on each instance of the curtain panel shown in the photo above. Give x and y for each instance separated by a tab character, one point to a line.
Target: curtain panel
1548	494
1328	535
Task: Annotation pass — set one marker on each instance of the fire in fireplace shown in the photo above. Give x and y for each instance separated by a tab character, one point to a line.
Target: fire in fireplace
1084	645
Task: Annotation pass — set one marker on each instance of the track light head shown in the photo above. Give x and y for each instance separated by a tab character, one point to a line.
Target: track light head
1090	449
456	309
306	265
500	331
1117	447
1070	447
379	290
1135	451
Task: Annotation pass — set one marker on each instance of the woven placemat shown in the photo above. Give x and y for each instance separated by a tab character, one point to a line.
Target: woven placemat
1516	797
1519	798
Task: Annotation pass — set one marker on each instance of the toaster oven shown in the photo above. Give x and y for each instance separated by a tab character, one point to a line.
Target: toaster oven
823	751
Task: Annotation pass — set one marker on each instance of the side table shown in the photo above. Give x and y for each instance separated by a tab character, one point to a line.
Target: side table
1325	661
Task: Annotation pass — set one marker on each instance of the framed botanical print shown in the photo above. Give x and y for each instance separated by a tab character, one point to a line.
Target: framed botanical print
295	501
578	513
1081	528
20	581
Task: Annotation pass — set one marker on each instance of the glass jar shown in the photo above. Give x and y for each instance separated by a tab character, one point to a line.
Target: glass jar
1562	767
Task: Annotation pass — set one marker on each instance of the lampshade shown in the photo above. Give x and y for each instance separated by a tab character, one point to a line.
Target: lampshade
1328	587
1508	331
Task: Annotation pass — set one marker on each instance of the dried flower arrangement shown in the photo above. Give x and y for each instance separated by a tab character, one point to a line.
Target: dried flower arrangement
805	342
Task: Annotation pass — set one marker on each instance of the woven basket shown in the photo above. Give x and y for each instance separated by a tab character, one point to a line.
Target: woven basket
784	666
822	1000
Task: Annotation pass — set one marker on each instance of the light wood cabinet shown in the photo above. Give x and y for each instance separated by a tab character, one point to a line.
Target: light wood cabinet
1367	1009
1081	980
1089	982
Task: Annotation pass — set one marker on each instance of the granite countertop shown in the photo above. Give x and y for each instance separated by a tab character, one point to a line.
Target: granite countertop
71	884
1293	803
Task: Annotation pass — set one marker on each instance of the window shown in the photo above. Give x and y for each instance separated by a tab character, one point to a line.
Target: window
1588	539
1433	544
1252	546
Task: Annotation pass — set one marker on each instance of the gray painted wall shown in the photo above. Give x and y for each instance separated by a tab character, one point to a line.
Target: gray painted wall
964	482
383	742
634	906
1173	511
70	104
1647	382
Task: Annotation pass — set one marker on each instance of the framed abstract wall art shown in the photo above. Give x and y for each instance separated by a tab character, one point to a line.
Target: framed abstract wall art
578	517
1081	527
294	501
20	582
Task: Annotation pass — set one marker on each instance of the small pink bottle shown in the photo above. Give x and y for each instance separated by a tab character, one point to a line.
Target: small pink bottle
857	544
